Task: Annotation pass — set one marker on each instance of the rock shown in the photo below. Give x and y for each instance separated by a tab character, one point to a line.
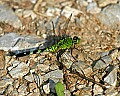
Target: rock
66	12
92	8
67	59
83	2
111	78
43	67
18	44
29	13
9	40
8	16
46	88
97	90
54	75
103	53
4	82
80	67
110	16
69	10
30	78
19	70
103	3
23	90
102	63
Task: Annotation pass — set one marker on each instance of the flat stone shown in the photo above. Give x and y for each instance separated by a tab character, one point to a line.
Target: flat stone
8	41
111	78
110	16
54	75
20	70
103	62
30	78
8	16
67	59
14	42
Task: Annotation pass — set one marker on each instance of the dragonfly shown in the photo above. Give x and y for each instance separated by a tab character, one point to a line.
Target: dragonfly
66	42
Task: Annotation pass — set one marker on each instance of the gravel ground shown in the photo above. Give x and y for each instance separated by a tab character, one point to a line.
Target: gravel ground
90	68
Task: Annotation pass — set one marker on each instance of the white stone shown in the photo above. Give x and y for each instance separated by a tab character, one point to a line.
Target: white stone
28	13
20	70
30	78
46	88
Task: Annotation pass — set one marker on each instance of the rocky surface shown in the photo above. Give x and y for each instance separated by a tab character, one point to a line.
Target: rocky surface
90	68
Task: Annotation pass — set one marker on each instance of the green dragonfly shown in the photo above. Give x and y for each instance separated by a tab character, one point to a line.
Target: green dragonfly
65	43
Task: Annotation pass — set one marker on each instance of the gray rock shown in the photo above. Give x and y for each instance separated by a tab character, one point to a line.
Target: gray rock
103	62
107	59
78	66
67	59
92	8
54	75
15	42
110	16
8	16
8	41
104	53
19	70
111	78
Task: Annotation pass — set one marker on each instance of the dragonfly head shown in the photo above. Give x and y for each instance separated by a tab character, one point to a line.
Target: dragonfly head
76	40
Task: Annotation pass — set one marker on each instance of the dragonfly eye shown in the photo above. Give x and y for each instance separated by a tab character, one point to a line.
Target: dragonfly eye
76	40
